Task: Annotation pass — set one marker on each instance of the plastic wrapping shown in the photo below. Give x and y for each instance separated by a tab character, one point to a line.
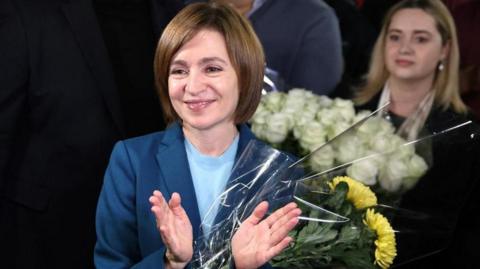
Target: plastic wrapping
334	229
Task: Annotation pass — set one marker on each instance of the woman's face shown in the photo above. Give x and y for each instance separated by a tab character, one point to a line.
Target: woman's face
202	83
413	46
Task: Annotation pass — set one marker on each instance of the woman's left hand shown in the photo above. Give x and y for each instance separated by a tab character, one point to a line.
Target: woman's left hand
257	241
175	229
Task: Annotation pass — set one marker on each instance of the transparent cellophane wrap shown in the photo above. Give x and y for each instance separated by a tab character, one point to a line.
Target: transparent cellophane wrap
333	232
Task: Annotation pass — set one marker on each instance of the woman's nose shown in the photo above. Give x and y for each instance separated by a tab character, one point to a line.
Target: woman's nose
405	47
195	83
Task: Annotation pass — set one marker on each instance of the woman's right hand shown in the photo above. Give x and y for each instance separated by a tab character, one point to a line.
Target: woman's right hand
258	240
175	229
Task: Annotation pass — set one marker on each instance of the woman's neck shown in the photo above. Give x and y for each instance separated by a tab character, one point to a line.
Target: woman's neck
213	142
405	96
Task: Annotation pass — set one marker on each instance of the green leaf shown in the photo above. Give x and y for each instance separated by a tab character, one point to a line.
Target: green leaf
349	234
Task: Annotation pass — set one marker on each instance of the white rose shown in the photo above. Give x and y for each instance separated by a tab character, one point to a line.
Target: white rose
337	129
392	173
417	168
259	123
381	143
375	126
260	117
324	101
295	100
327	116
277	128
311	106
365	171
404	150
301	118
322	159
297	92
312	136
361	115
260	131
349	147
344	108
384	126
299	122
274	101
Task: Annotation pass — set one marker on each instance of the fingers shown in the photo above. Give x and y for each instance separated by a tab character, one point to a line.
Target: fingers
282	221
175	204
258	213
281	231
275	250
159	205
280	213
281	216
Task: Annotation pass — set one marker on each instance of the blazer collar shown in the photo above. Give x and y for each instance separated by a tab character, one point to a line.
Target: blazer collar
173	164
83	23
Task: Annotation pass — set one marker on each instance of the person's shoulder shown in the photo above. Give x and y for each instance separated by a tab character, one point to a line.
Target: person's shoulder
152	141
146	139
444	118
144	145
306	8
315	8
317	5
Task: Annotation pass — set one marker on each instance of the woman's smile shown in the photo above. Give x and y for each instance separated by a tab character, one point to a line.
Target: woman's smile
198	105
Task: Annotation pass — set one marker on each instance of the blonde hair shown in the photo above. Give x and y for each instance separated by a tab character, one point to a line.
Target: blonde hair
243	47
446	82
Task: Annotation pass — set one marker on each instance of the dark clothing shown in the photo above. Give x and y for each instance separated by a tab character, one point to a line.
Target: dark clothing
444	194
60	113
467	20
358	38
127	29
302	42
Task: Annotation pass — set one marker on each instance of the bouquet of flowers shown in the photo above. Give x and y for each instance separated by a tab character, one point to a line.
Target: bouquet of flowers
300	122
366	240
344	223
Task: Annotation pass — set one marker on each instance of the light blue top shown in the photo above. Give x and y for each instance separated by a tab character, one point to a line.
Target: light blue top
209	175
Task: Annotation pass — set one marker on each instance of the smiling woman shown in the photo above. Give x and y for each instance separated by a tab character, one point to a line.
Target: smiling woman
203	87
209	70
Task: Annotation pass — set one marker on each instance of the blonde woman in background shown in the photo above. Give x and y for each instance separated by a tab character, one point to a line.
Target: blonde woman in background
414	67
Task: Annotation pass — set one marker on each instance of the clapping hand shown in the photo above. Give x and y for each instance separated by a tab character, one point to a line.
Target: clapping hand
257	241
175	229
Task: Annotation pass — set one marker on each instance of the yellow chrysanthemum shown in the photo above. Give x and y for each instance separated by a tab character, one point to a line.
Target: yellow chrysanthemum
360	195
386	245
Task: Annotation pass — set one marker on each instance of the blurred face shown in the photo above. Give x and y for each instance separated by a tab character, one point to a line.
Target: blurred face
203	84
413	46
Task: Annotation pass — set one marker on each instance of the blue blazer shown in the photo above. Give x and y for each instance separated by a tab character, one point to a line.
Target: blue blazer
127	236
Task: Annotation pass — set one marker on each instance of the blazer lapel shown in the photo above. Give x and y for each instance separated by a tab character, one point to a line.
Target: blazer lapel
83	22
173	164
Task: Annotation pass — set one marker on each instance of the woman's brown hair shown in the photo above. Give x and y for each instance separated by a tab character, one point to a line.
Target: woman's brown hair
243	47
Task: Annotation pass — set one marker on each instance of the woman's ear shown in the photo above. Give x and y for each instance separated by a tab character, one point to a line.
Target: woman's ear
445	51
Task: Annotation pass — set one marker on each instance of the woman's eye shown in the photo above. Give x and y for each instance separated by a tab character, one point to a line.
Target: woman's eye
421	39
394	37
177	71
212	69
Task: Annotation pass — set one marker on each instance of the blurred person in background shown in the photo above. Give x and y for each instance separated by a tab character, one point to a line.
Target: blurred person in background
75	77
301	40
